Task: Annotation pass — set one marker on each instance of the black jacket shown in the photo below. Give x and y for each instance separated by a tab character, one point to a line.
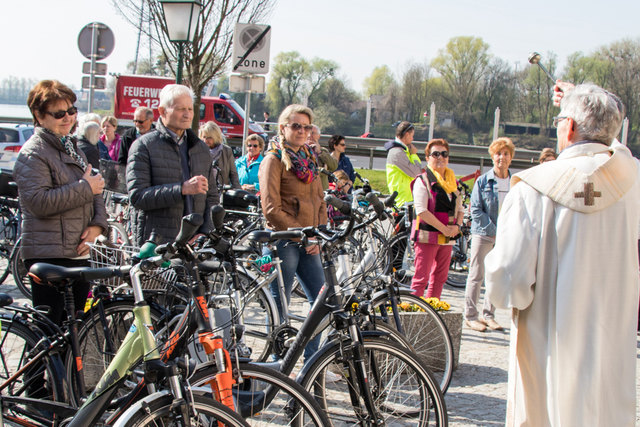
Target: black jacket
154	183
126	141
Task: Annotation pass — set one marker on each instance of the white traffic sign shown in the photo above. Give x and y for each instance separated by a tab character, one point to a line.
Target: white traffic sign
256	84
251	45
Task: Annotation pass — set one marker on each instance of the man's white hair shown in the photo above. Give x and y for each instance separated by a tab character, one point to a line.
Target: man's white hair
170	93
597	113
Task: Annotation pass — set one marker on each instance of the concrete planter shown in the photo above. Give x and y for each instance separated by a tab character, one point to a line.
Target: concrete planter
420	321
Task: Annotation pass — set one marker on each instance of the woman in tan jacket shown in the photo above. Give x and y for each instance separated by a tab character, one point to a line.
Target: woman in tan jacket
292	196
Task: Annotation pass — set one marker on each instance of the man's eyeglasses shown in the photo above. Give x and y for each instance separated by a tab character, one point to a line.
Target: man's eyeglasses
253	145
437	154
140	121
297	126
60	114
558	119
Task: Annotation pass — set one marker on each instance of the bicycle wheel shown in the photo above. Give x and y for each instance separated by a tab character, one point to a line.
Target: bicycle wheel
434	348
19	271
459	266
258	312
398	253
8	235
159	409
266	396
404	391
99	340
43	380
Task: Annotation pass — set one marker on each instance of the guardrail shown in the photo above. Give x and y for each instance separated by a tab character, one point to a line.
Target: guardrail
474	155
460	154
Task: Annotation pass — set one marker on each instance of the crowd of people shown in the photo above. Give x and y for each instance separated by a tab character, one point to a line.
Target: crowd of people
556	243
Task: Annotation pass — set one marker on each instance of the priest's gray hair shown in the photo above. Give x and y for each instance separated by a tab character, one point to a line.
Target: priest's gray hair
596	112
170	93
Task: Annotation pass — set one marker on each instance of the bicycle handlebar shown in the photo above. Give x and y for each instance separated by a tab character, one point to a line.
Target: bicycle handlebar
340	205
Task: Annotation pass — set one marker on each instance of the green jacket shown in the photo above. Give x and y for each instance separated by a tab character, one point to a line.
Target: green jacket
402	168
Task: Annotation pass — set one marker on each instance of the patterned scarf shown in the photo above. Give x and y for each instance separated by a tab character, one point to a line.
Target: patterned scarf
304	162
448	183
69	148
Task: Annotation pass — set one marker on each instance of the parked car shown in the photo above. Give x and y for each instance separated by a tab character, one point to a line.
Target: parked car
12	137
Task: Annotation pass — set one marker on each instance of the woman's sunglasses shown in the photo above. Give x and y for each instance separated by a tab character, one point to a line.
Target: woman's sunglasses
252	146
297	126
60	114
437	154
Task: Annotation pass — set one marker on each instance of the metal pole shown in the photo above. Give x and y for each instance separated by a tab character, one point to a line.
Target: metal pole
432	119
370	158
135	62
625	130
94	53
367	123
179	70
247	111
496	123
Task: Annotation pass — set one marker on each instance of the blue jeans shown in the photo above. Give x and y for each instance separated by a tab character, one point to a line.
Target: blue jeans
308	268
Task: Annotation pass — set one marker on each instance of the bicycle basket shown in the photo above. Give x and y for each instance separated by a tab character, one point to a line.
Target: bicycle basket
110	255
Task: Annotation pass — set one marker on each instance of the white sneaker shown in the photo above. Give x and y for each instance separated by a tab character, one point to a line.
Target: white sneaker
330	377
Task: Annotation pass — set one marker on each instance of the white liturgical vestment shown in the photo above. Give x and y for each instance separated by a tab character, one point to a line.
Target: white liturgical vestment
566	262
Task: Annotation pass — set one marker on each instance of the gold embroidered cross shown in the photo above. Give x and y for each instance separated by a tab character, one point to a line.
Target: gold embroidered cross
588	194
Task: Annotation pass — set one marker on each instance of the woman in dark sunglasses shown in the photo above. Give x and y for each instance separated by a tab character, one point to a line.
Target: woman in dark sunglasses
61	201
249	164
337	147
439	215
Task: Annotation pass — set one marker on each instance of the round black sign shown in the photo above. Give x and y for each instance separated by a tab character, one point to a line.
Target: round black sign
105	40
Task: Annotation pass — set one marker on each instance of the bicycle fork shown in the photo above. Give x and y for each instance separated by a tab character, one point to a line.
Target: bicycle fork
354	364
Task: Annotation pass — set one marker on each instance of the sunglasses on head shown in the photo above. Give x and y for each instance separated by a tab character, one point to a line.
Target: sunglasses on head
253	145
60	114
437	154
297	126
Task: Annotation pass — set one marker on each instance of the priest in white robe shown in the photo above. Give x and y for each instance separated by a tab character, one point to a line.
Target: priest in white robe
566	262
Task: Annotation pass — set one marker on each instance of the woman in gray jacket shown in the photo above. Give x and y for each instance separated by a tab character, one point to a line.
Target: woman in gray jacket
221	154
61	202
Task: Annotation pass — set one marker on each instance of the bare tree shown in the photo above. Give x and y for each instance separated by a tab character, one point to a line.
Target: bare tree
210	50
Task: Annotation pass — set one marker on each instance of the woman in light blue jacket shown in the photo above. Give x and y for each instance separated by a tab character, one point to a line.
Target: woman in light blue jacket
487	196
249	164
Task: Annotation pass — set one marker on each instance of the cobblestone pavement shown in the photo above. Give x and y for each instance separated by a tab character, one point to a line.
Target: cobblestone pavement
478	391
477	394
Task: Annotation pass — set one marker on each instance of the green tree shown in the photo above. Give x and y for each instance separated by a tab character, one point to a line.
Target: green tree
415	91
157	67
462	66
320	70
379	82
291	71
623	79
593	68
539	92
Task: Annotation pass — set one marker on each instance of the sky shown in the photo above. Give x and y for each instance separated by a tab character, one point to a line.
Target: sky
39	37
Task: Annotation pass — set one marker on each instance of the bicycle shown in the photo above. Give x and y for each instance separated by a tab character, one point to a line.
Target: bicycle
375	372
459	265
178	336
10	229
139	343
387	294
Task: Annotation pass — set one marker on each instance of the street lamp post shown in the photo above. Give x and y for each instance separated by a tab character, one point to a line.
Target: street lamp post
181	17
